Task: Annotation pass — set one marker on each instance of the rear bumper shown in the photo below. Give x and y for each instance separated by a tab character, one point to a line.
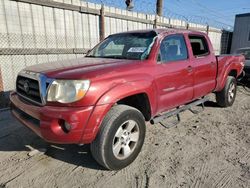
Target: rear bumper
45	121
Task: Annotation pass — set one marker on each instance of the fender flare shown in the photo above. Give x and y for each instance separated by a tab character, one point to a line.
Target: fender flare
130	88
112	96
223	79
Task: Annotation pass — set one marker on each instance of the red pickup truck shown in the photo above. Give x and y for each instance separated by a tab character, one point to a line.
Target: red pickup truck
105	98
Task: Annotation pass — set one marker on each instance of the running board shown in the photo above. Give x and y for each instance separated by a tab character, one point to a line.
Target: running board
177	112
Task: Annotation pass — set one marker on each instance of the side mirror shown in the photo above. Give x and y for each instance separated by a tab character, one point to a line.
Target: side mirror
88	51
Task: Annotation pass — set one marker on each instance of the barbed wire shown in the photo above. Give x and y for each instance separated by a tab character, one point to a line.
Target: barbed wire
149	7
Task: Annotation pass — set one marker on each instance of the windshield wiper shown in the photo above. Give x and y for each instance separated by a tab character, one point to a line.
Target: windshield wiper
113	57
90	56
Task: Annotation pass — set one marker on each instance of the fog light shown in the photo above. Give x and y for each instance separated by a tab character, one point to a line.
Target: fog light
66	127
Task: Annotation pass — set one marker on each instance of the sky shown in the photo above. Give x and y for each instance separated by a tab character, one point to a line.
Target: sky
218	13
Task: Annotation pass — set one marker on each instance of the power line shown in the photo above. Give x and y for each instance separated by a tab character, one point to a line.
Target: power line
206	8
149	7
211	11
213	14
195	18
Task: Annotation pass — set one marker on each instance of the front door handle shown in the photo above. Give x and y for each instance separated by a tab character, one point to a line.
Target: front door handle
213	63
189	68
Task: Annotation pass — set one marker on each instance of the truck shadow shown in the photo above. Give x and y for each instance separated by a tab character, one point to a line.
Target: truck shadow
14	137
244	86
73	154
211	104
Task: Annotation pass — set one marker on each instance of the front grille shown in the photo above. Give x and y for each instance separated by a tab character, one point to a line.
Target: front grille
28	88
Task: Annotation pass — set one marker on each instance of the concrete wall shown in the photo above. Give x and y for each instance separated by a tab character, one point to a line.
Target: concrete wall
241	32
37	31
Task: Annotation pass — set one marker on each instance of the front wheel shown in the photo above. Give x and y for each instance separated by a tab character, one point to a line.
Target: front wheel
120	138
226	97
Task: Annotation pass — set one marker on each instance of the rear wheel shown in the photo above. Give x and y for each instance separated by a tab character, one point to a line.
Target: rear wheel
226	97
120	138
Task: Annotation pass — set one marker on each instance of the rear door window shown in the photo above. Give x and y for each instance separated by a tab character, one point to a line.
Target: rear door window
173	48
199	45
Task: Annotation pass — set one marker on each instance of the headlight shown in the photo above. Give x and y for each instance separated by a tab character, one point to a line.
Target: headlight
67	91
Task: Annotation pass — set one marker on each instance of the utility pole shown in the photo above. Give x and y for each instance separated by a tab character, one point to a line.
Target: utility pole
159	7
102	23
159	11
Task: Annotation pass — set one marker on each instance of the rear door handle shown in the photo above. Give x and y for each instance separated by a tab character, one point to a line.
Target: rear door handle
189	68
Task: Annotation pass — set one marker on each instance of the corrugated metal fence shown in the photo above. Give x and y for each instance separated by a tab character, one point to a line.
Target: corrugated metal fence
38	31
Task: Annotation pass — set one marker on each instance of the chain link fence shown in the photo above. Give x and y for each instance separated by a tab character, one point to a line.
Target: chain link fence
40	31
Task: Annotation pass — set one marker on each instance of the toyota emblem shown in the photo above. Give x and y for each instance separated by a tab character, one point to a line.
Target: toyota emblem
26	86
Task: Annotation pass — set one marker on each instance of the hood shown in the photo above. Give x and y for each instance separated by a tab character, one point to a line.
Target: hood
81	68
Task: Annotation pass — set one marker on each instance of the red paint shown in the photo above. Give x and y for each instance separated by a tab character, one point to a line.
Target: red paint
166	85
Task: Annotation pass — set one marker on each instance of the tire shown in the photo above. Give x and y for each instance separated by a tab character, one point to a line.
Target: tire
122	127
226	97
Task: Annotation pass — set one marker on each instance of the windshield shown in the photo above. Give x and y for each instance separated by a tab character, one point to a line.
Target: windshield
245	52
136	46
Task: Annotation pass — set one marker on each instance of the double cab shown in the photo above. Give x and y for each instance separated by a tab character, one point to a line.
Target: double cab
105	98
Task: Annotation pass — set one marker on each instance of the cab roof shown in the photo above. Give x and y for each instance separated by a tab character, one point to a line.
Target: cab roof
165	31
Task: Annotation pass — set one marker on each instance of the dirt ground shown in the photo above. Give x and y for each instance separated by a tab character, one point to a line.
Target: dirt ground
4	99
211	149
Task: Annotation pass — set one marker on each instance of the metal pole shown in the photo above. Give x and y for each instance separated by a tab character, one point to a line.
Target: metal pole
155	22
207	29
159	11
102	23
159	7
1	81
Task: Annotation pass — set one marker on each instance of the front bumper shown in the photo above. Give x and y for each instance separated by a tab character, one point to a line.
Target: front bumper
45	120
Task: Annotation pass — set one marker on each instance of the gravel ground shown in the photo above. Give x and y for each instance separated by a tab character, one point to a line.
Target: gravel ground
211	149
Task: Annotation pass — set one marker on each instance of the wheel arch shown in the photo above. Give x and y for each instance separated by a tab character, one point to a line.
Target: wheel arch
127	94
222	80
140	95
233	73
140	101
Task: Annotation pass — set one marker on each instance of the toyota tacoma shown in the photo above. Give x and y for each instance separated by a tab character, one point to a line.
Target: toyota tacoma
105	98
